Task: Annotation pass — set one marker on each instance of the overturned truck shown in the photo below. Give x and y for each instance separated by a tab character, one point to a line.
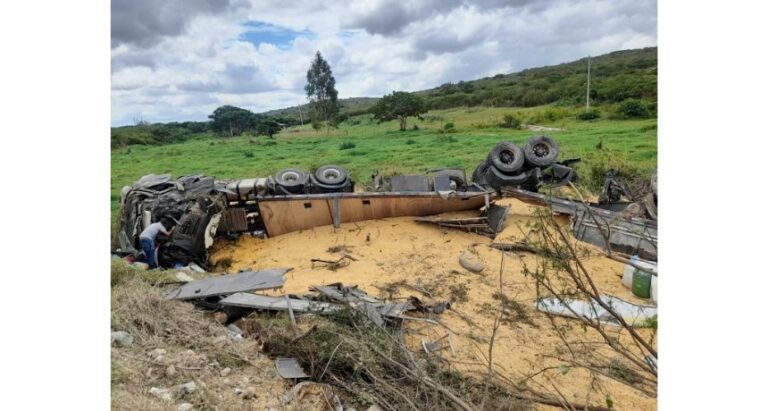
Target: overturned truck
205	208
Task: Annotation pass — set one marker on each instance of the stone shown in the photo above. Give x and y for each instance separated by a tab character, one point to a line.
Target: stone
186	389
170	372
122	338
162	393
185	406
249	393
225	372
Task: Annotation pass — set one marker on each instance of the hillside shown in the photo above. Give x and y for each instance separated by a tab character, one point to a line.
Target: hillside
616	77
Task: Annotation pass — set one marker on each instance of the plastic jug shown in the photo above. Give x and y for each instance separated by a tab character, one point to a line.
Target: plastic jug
629	272
641	284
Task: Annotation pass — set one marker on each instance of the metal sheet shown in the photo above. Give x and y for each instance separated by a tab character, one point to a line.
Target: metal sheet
415	183
289	368
230	284
263	302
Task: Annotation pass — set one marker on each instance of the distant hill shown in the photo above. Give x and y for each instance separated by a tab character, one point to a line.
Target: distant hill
615	76
349	106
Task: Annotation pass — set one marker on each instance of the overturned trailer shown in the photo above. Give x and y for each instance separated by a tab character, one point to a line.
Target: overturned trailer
291	200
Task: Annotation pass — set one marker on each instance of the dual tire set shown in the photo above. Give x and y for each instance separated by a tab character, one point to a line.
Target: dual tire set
326	179
529	167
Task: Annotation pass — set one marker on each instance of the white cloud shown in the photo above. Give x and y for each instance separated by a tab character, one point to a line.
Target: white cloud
183	68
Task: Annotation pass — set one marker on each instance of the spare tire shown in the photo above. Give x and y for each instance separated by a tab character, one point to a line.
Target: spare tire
541	151
478	176
506	157
498	179
331	175
291	179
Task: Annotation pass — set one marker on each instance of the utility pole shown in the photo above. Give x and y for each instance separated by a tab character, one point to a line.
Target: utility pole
589	69
301	117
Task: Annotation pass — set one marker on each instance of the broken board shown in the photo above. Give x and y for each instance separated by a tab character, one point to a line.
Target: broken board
263	302
230	284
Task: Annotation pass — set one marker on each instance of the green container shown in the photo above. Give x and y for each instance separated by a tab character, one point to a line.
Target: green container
641	284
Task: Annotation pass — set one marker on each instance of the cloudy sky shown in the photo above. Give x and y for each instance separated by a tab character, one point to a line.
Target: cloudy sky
176	60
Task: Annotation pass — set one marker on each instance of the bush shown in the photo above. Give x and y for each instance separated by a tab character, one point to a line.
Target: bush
448	126
415	127
410	141
346	145
634	108
589	115
510	121
248	154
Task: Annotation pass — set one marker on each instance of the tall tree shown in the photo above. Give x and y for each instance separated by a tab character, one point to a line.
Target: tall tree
321	91
399	106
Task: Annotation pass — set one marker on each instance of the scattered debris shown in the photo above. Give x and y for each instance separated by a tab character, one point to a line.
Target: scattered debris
334	265
631	236
471	262
635	315
289	368
185	389
263	302
435	346
489	223
228	284
122	338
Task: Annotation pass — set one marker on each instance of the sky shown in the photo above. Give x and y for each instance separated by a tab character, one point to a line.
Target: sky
177	60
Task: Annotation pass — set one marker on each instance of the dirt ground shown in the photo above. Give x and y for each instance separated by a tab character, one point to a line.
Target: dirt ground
399	250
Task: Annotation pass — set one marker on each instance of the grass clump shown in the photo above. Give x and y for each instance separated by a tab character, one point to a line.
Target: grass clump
346	145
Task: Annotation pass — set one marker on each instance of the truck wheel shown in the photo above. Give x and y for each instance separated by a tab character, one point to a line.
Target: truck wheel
478	176
331	175
498	179
506	157
291	179
541	151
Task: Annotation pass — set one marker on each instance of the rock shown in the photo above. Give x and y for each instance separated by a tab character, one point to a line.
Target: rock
471	263
162	393
219	341
140	265
225	372
122	338
185	406
249	393
170	372
238	391
186	389
374	407
157	354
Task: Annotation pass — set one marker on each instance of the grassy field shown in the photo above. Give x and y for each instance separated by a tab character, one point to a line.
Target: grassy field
382	147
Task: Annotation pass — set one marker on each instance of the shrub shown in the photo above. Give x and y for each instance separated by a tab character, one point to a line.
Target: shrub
510	121
589	115
415	127
449	126
248	154
346	145
410	141
634	108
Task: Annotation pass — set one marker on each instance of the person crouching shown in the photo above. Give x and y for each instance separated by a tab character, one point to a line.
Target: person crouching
148	236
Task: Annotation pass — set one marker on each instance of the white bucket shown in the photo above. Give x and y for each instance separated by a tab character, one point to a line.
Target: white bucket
629	272
654	286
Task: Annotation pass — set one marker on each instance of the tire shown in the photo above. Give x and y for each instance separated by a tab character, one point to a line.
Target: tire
456	176
316	187
541	151
331	175
506	157
498	179
478	176
291	179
